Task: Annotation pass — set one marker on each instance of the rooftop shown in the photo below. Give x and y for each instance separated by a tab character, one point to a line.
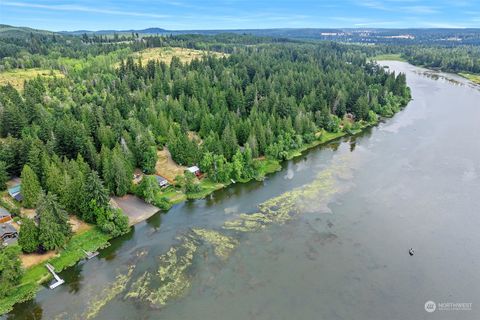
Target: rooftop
7	228
193	169
4	212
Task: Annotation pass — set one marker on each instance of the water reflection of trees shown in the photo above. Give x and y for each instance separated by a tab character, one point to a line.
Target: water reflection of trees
26	310
155	221
73	277
109	253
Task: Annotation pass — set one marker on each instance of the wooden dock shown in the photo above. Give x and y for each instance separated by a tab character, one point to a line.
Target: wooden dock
90	255
58	280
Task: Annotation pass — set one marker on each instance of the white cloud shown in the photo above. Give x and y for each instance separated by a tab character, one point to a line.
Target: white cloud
76	8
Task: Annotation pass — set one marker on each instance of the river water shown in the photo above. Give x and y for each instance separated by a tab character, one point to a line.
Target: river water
325	238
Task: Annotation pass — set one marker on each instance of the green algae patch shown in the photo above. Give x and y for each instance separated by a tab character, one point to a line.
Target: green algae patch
283	208
222	244
140	288
248	222
108	294
172	278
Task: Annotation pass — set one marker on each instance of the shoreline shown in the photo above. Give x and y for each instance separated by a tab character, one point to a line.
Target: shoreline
94	239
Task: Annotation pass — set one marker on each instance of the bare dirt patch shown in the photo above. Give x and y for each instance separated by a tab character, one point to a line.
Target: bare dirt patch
27	213
78	226
13	182
166	167
193	136
32	259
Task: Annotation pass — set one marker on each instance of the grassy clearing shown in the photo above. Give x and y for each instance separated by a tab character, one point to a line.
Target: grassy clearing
166	167
207	186
389	57
166	54
266	166
89	240
173	195
472	77
17	77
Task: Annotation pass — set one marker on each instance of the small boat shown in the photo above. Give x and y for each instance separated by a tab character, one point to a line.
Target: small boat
411	252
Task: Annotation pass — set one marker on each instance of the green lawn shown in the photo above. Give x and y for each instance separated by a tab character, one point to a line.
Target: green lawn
472	77
90	240
173	195
207	186
266	166
389	57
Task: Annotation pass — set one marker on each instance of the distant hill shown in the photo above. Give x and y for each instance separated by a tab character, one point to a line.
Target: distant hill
7	31
439	36
103	32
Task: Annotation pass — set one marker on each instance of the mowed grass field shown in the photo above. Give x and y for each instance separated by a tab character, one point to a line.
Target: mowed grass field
472	77
17	77
389	57
166	54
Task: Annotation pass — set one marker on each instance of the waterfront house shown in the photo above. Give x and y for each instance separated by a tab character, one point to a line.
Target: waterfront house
195	170
16	192
8	234
5	216
162	182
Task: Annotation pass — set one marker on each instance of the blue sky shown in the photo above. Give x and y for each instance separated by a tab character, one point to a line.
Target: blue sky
233	14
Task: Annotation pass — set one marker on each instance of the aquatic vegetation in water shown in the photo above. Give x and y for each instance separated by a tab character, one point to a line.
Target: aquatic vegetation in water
108	294
171	279
223	245
311	197
247	222
139	289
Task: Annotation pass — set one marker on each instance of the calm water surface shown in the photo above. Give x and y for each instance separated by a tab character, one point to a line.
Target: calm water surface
355	207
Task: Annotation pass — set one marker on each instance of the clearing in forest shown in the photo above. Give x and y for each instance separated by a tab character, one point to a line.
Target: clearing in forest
165	54
17	77
135	208
166	167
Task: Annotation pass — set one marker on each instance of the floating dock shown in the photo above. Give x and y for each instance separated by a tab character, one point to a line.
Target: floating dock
90	255
58	280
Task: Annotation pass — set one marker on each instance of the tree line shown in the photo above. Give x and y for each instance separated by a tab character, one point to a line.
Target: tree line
75	141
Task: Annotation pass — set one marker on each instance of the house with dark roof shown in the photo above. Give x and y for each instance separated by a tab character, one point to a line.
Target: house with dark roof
162	182
16	192
8	234
5	216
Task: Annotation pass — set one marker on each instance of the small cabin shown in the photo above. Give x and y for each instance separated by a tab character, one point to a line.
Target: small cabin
16	192
195	170
162	182
8	234
5	216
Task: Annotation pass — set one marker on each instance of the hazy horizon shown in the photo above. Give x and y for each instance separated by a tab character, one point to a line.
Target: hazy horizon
232	14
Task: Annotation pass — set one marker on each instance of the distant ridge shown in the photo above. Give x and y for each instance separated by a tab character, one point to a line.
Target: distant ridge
440	36
7	31
143	31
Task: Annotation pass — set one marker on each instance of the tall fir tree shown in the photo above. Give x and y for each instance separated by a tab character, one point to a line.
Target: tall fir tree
30	187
